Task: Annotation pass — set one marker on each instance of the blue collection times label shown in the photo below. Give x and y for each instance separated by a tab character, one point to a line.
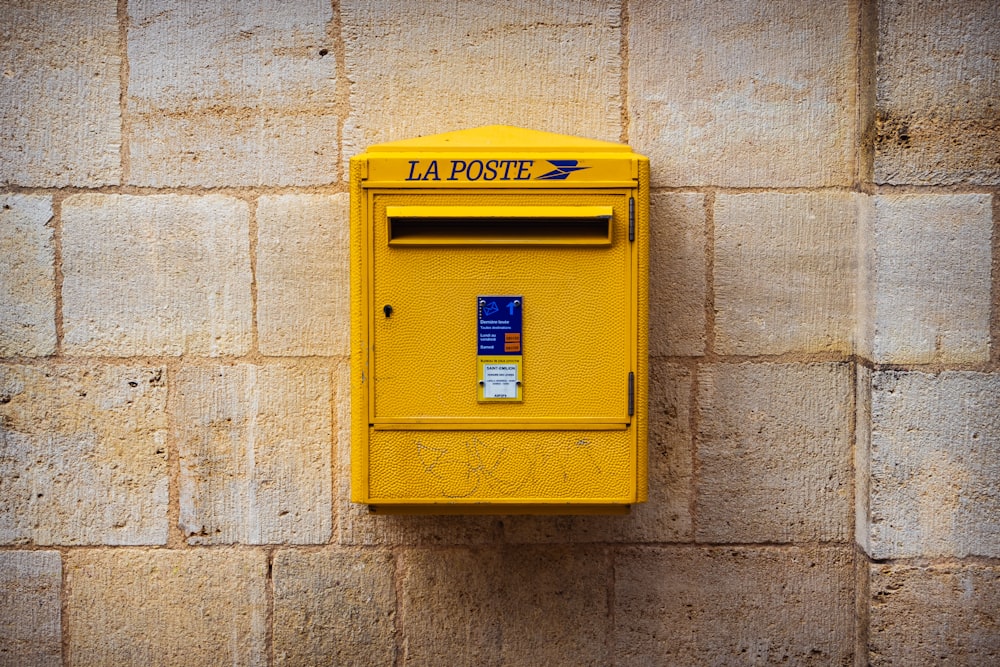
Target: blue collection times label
500	325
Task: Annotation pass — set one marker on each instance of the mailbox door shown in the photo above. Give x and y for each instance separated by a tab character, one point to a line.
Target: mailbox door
427	274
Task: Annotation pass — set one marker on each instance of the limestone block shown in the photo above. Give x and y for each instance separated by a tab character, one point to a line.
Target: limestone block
864	290
555	606
747	94
518	606
60	120
357	526
677	282
727	606
27	277
334	608
773	452
83	455
935	462
234	93
30	626
666	517
784	273
947	614
862	609
421	67
453	598
862	456
254	448
164	274
937	120
303	275
928	262
166	607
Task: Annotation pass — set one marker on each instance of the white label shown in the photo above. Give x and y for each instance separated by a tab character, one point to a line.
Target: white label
499	380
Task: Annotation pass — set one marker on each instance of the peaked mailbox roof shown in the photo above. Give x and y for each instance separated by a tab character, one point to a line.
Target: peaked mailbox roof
497	156
498	138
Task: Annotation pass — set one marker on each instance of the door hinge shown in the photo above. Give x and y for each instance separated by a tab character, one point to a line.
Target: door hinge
631	394
631	218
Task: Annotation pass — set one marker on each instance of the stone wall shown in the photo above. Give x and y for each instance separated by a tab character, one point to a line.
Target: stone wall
825	334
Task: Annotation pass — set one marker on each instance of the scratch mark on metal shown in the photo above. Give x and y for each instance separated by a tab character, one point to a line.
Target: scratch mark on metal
463	472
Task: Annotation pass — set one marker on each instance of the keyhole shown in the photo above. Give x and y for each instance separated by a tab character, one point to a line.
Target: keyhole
387	309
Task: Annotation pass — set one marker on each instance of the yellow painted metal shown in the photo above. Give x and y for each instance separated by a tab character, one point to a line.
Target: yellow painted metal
478	212
499	211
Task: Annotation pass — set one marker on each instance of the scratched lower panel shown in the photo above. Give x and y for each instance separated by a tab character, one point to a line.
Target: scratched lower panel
502	466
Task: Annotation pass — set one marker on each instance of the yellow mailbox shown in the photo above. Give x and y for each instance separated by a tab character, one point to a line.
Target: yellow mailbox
498	312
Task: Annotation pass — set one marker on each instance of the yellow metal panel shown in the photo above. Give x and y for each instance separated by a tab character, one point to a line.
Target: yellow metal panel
641	328
360	265
499	211
500	508
528	467
529	424
577	319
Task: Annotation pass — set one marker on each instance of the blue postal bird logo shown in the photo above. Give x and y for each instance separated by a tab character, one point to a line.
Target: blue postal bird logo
563	168
489	170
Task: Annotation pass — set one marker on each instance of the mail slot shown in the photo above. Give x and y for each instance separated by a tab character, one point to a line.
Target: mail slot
499	225
499	309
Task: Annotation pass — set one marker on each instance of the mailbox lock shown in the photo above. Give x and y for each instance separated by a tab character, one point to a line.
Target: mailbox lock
387	309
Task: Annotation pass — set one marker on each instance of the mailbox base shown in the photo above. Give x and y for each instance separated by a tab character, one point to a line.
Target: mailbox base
466	509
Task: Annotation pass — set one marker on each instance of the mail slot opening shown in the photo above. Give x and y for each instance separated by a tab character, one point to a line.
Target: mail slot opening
499	225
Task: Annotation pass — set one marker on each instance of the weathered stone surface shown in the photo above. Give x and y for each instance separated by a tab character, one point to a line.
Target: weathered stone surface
712	605
927	258
235	93
753	94
27	277
862	609
553	67
303	275
334	608
555	606
357	526
520	606
784	273
451	607
947	614
254	447
83	455
166	607
30	626
937	121
862	456
864	289
677	281
666	517
935	462
60	122
773	453
164	274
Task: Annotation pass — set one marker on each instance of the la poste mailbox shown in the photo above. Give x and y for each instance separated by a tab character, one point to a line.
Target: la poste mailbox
499	336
